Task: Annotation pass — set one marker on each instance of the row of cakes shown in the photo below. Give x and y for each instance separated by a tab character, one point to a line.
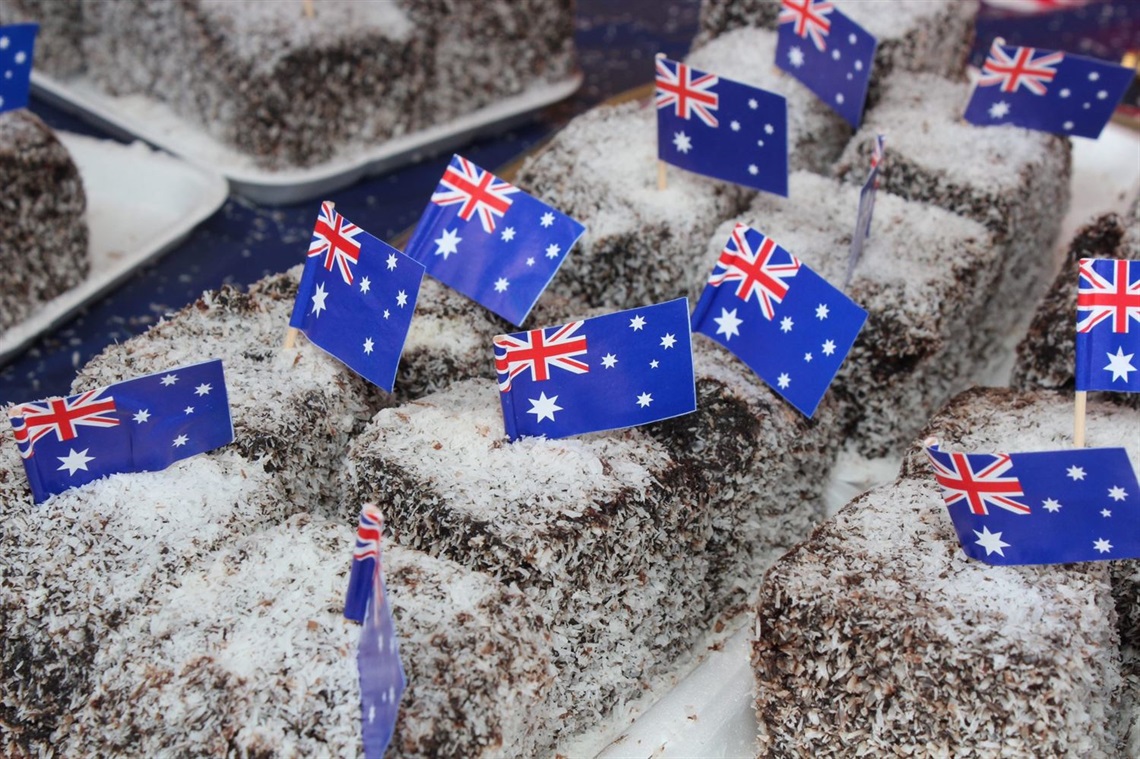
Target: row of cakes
540	588
295	83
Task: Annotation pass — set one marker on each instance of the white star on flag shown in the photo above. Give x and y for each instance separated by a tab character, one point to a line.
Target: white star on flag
644	399
368	344
552	250
543	407
501	284
609	361
991	541
447	243
1051	505
319	299
547	219
1075	473
180	441
1117	493
74	461
1120	365
169	379
391	261
727	323
142	415
203	389
668	341
1102	546
508	234
682	142
637	323
365	284
401	299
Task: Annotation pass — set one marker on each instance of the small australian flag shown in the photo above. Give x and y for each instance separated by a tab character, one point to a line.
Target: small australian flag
1049	507
16	44
1047	90
828	52
613	371
721	128
489	240
382	679
140	425
787	323
356	297
1108	325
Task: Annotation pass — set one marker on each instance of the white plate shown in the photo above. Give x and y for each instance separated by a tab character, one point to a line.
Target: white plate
155	122
140	204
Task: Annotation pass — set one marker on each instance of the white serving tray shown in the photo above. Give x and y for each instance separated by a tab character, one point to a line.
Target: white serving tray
140	204
140	117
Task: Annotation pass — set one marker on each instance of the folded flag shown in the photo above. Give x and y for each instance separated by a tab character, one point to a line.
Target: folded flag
1049	507
140	425
865	210
382	679
489	240
1108	325
16	48
619	370
1047	90
798	332
356	297
720	128
828	52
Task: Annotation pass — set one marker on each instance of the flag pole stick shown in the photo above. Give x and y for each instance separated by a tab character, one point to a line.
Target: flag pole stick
1079	419
310	12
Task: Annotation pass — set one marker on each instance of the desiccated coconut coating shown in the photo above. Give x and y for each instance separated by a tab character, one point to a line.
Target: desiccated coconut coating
634	542
43	243
1014	181
878	636
289	90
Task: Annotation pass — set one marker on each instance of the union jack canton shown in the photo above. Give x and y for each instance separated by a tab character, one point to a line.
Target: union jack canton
139	425
1040	508
1047	90
608	372
787	323
504	261
1108	325
715	126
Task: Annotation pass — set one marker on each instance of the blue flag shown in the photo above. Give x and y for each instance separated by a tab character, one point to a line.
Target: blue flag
865	210
140	425
828	52
356	297
365	563
1108	325
787	323
1105	29
619	370
1050	507
720	128
382	679
491	241
1047	90
16	48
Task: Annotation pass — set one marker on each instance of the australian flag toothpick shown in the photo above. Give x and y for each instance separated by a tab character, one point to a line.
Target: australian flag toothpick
140	425
828	52
865	209
1108	326
720	128
613	371
382	679
1049	507
1047	90
787	323
489	240
16	48
356	297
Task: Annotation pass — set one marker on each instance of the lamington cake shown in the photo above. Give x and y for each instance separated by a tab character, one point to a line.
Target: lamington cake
914	35
1046	355
43	245
878	636
927	278
632	543
602	170
290	89
1014	181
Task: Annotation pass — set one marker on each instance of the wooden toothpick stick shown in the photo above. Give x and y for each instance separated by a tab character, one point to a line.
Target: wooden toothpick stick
1079	419
310	11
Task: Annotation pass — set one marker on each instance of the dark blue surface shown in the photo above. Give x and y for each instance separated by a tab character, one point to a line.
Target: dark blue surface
244	242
